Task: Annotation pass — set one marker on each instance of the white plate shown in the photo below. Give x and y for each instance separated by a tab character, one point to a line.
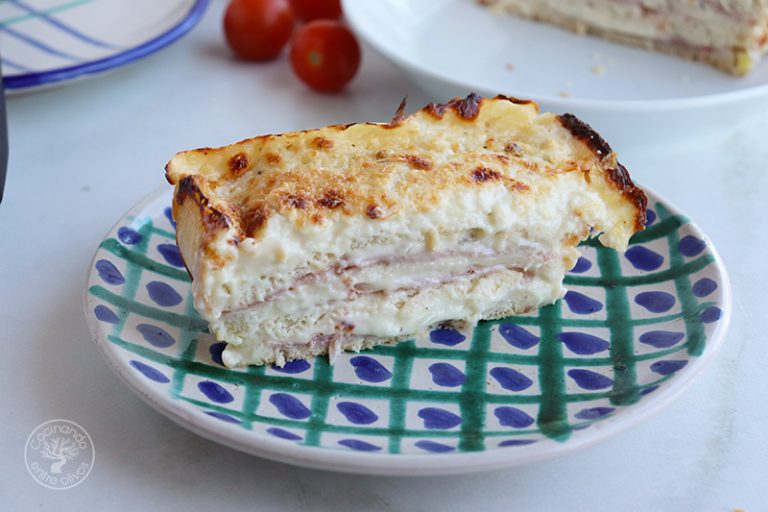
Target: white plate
632	333
452	47
48	42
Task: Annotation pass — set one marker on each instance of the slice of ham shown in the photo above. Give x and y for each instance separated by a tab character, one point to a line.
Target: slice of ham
347	273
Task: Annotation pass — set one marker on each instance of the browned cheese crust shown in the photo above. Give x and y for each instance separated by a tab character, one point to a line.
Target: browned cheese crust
389	168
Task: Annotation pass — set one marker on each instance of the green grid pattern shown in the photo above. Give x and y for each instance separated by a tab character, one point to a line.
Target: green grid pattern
473	398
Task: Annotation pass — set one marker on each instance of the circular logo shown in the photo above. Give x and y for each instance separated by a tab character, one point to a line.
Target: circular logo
59	454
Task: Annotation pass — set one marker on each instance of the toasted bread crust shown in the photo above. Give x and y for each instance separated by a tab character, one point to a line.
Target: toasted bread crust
620	177
586	134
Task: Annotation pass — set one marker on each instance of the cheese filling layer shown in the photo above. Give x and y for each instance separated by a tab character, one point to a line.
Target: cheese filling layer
394	313
352	278
336	288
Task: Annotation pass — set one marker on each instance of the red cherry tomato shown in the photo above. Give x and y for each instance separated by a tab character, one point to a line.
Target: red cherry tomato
325	55
258	29
308	10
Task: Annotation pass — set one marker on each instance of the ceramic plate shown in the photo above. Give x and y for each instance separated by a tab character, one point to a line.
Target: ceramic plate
51	41
453	47
632	332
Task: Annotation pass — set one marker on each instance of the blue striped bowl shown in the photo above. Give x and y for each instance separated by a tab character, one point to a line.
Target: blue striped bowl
46	42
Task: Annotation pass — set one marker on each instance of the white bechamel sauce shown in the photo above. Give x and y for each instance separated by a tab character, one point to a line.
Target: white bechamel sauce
286	252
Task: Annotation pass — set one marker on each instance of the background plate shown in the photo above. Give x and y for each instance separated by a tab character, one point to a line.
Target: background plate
632	332
631	96
45	42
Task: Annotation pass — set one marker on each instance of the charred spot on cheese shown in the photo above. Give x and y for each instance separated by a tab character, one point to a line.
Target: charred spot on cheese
273	158
513	148
322	143
483	174
252	221
212	217
373	211
399	116
467	108
620	178
519	185
516	101
585	134
238	164
343	326
436	110
331	199
418	162
299	201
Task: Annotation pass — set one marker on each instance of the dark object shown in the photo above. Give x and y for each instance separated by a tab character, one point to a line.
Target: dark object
3	140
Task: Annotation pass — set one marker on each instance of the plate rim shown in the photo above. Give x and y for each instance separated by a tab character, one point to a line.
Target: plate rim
408	62
27	81
428	464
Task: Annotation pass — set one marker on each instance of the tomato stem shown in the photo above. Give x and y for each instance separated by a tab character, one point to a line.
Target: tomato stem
315	58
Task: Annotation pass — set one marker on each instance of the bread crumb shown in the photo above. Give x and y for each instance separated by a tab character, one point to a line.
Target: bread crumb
509	66
564	94
598	70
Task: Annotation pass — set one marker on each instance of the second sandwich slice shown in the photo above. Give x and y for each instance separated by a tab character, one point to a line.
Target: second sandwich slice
346	237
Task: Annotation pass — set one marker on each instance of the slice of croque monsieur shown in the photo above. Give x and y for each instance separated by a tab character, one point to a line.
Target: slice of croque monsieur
348	237
729	34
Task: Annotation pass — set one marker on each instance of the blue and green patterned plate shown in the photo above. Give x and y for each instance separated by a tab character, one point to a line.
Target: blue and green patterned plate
633	331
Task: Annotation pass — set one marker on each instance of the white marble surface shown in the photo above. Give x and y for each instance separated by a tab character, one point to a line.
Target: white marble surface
81	155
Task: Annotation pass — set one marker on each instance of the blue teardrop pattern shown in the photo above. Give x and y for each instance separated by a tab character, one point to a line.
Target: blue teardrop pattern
446	336
583	344
369	369
518	337
357	413
215	392
581	304
511	379
437	418
655	301
289	406
150	372
643	258
590	380
446	375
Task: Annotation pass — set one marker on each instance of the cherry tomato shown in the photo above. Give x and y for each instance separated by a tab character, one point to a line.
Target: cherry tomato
258	29
325	55
308	10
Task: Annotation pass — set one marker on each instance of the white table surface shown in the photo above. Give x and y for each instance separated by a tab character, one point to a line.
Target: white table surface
83	154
